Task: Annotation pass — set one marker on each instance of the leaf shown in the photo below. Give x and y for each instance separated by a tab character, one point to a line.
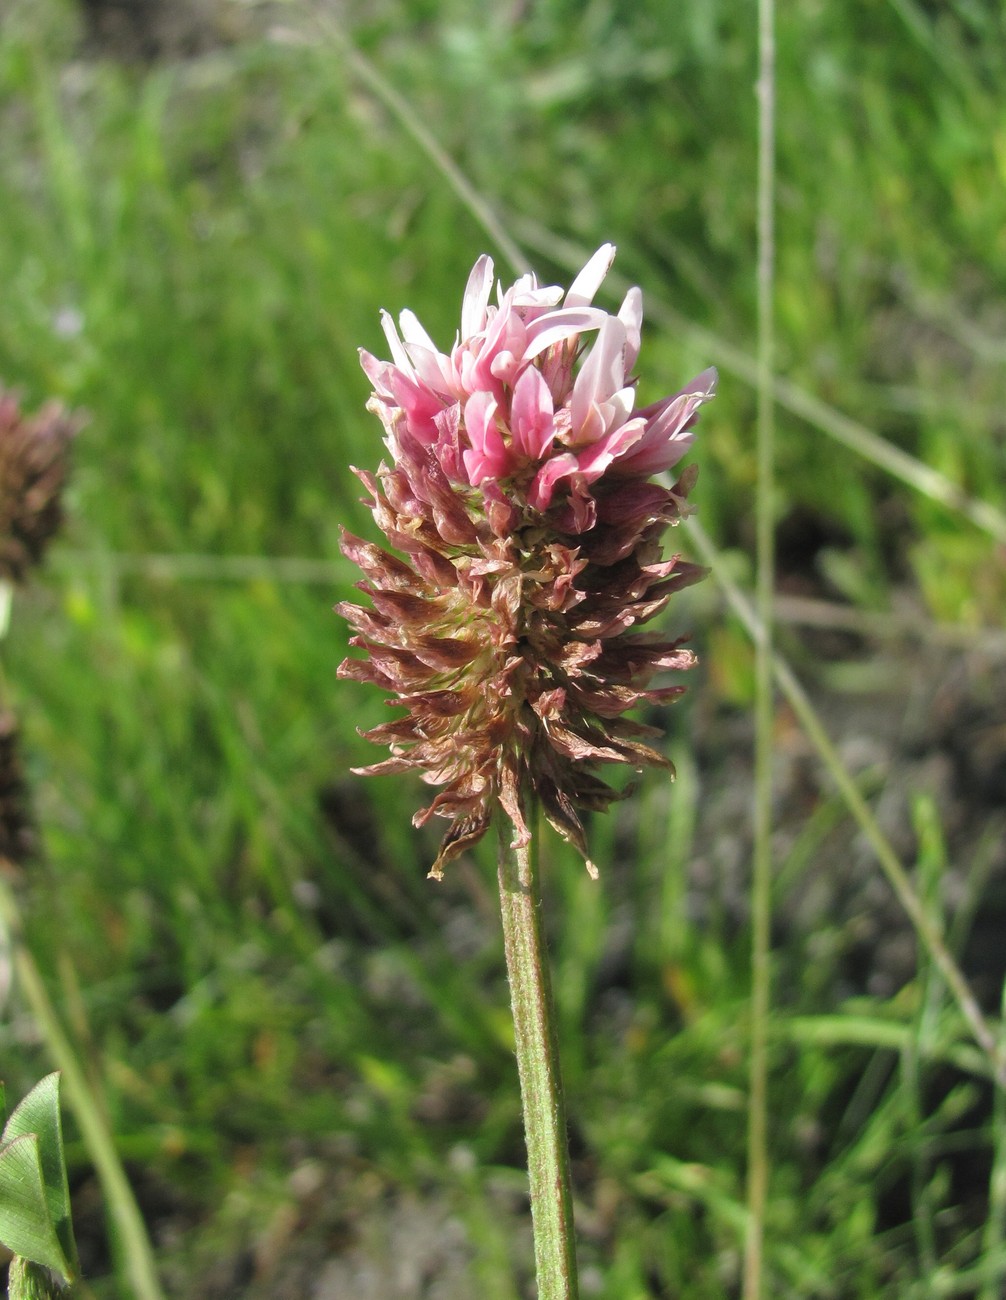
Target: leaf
38	1114
26	1227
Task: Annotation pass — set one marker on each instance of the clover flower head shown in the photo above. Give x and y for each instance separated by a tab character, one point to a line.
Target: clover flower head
523	555
33	468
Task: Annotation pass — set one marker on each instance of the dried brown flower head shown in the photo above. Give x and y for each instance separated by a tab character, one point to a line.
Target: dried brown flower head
33	467
17	836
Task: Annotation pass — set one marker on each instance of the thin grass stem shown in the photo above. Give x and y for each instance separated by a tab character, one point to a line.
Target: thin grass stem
890	864
193	567
412	124
994	1235
761	883
538	1066
931	862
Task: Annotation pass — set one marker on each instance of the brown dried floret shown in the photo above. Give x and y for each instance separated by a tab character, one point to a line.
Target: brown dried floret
33	469
17	834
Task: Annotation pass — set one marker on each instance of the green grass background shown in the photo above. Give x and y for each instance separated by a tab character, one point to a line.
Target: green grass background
192	250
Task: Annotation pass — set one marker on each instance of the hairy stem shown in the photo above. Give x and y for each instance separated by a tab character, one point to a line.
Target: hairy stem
538	1067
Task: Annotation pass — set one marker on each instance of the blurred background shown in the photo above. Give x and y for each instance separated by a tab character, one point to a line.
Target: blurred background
303	1046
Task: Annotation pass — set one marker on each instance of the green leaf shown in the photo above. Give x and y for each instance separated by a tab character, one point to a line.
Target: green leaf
38	1115
26	1227
28	1281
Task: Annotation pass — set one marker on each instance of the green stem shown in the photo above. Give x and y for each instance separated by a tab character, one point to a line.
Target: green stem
28	1281
135	1244
538	1067
761	885
995	1224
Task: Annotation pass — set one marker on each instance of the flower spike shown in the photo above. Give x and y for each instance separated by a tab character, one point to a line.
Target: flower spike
524	554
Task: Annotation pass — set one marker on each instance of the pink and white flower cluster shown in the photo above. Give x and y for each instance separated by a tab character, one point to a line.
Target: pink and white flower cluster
523	407
523	558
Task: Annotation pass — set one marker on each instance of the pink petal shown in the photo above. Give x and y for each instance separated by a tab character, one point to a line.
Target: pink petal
432	368
488	456
419	404
593	461
505	333
374	369
531	413
668	433
543	485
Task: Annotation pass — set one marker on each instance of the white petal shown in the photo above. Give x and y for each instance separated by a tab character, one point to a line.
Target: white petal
618	407
631	315
430	368
555	326
526	284
582	290
398	353
603	373
413	332
704	384
538	299
476	299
